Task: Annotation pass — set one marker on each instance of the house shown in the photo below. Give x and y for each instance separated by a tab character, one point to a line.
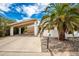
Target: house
31	24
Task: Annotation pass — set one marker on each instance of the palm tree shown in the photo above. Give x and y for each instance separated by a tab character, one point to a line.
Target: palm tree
64	17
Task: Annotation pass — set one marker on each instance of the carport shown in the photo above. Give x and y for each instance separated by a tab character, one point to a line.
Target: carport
32	26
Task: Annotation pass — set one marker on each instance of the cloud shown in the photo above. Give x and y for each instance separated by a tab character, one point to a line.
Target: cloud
18	9
34	9
5	6
24	18
1	12
30	10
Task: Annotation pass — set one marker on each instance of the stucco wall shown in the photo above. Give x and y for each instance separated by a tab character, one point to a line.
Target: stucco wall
54	33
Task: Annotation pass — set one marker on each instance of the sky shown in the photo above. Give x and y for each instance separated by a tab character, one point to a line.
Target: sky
22	11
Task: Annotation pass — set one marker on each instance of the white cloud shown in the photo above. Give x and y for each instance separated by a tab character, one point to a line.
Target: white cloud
30	10
1	12
18	9
34	9
24	18
5	6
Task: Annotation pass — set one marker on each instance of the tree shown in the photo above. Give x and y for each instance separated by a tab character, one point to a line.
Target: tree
3	25
64	17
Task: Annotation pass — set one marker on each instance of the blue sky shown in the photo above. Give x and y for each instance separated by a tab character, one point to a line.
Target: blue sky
22	11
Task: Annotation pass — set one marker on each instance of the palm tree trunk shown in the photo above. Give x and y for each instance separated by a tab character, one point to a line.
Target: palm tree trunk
48	43
62	35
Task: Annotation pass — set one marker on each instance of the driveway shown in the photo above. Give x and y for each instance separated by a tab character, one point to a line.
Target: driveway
20	43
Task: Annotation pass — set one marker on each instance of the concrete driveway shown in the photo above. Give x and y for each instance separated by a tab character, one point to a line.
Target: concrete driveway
20	43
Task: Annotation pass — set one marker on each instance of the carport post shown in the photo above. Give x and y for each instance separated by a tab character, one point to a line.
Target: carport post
11	31
35	28
19	30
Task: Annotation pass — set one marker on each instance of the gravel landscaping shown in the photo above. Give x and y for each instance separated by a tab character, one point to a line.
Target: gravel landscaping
69	46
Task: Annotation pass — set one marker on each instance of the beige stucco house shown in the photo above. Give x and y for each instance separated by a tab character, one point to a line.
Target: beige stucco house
32	26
